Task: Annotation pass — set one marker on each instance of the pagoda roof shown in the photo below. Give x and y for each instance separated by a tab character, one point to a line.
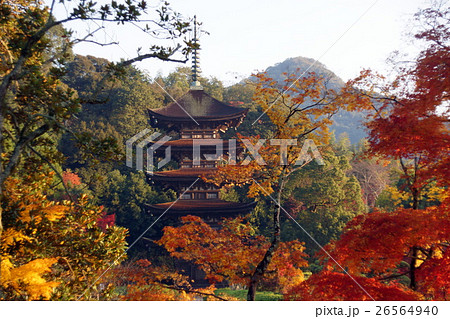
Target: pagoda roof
198	105
202	207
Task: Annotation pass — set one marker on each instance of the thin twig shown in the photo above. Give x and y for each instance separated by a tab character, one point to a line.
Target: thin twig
54	169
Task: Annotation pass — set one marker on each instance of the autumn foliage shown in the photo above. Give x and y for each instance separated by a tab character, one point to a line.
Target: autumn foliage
378	241
338	286
70	179
53	250
141	280
232	251
411	119
401	255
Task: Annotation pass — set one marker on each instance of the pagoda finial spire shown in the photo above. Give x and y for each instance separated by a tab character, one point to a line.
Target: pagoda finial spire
195	84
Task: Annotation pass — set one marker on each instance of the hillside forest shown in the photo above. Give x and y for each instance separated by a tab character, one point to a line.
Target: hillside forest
370	221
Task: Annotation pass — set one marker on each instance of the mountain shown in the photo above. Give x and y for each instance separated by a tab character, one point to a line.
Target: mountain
344	122
300	65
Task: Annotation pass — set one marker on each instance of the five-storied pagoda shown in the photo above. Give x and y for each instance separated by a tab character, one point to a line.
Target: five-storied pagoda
199	120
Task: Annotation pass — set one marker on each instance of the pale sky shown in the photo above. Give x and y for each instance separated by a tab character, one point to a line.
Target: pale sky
250	35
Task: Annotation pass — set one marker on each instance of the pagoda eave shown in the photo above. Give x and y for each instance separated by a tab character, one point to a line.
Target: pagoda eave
202	207
179	175
170	122
187	118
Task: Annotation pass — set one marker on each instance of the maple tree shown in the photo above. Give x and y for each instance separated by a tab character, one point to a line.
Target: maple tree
411	119
231	252
403	254
396	244
300	111
142	280
338	286
54	250
399	255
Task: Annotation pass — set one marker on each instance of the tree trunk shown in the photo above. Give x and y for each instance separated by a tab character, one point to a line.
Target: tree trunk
260	270
413	263
1	216
415	194
1	168
412	269
264	263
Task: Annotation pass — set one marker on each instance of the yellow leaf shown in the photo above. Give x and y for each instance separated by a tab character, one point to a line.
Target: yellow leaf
10	236
29	274
55	212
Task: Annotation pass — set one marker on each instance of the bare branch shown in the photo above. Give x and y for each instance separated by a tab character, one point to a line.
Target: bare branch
53	169
23	141
100	43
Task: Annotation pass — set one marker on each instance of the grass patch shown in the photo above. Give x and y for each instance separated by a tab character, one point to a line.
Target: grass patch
242	294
